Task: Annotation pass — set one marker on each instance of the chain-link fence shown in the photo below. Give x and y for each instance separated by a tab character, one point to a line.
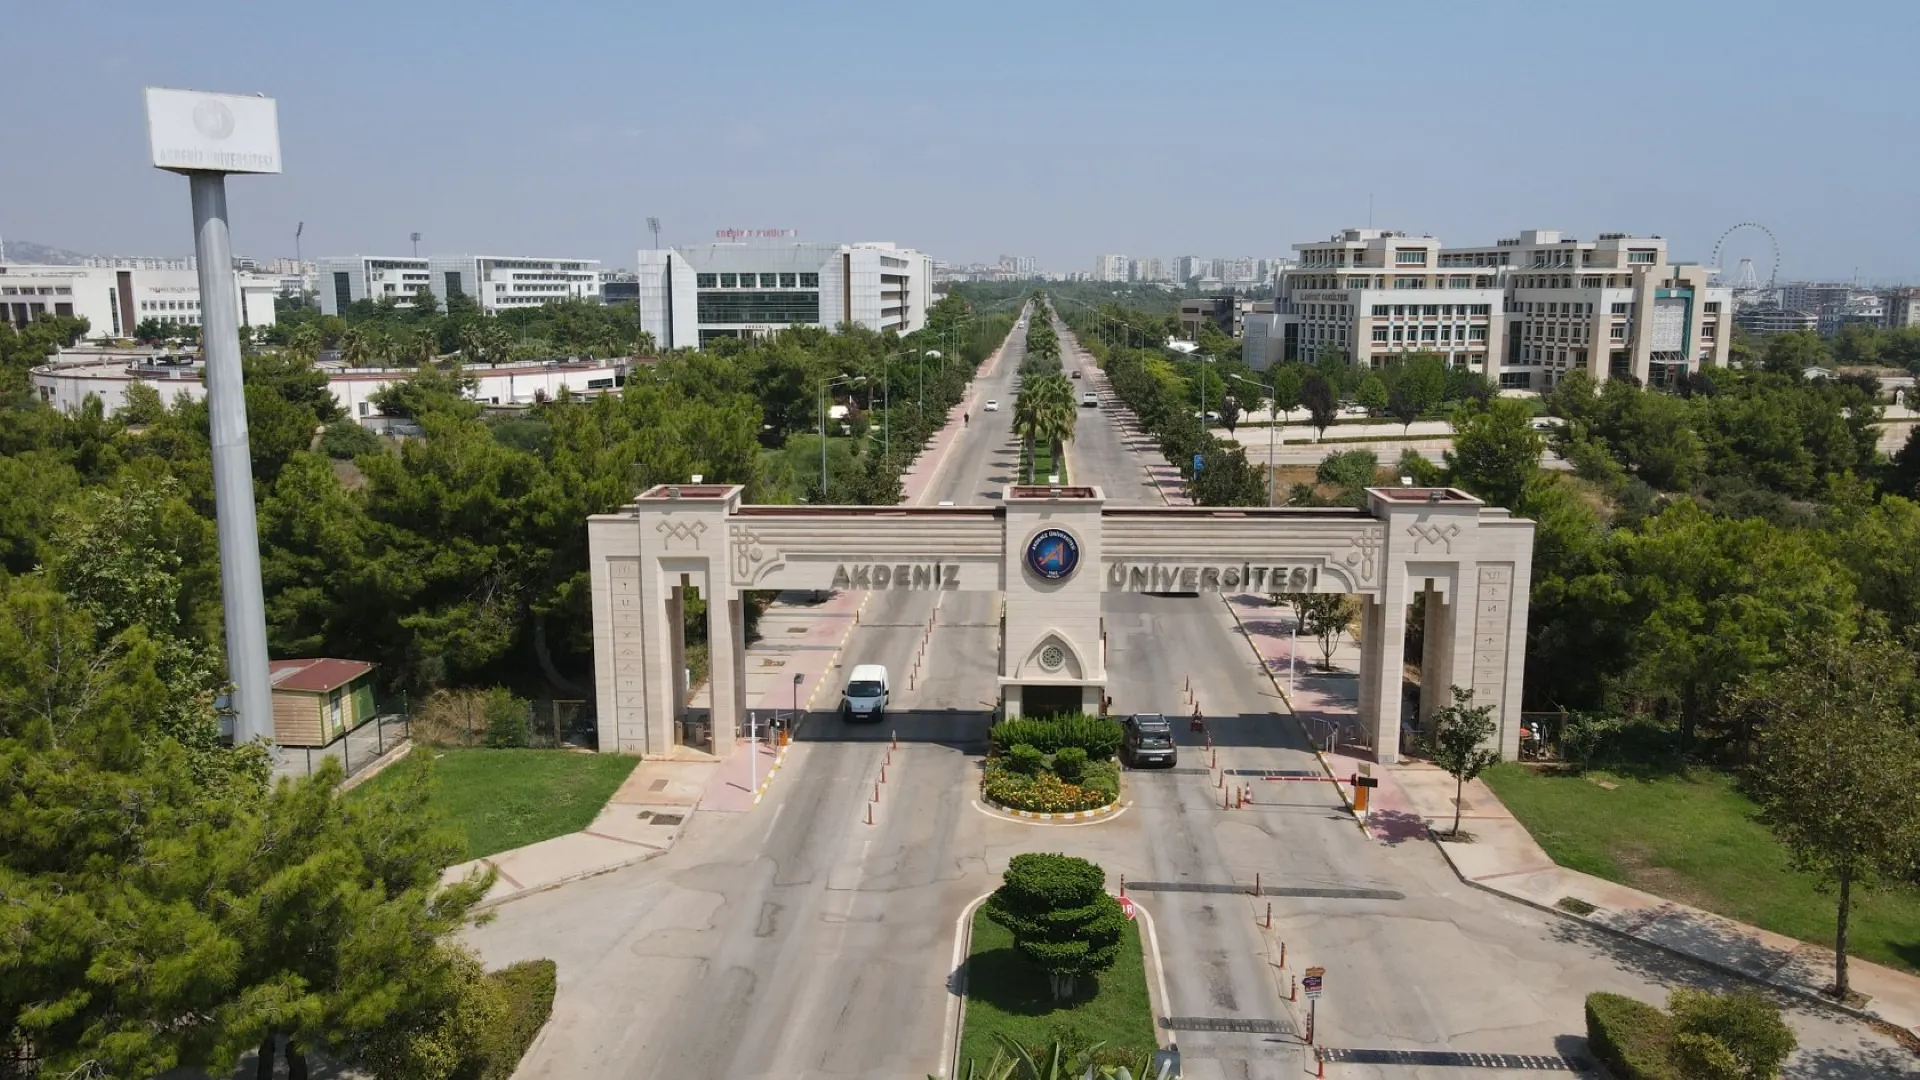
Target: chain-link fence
356	750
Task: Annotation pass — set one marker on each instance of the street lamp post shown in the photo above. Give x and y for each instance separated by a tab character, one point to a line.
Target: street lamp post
825	394
1272	427
205	137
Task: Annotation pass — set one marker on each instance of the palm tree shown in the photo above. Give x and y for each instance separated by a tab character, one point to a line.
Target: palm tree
1044	414
356	346
304	342
422	346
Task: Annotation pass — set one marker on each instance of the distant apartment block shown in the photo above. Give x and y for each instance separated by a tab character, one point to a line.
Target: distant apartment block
1523	311
496	282
1768	319
1021	267
1147	270
1110	268
1900	308
690	296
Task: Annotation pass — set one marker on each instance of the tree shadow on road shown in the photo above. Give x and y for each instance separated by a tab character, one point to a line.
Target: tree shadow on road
1396	827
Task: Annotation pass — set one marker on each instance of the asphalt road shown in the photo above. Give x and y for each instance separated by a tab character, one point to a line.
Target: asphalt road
799	940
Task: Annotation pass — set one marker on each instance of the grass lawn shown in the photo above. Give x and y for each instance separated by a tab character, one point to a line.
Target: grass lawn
506	798
1043	465
1694	839
1005	994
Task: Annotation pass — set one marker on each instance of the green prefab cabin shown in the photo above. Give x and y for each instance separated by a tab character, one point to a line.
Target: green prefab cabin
318	701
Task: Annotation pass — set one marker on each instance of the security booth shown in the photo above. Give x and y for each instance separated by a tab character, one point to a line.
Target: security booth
317	701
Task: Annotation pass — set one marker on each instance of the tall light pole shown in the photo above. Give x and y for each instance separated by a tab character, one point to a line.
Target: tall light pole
825	393
653	226
415	237
1272	426
205	137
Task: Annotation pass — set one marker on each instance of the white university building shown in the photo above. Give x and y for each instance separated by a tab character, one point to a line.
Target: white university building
496	282
749	289
1523	311
115	299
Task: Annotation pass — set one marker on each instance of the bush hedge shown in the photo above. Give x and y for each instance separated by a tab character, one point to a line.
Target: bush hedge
1070	764
1633	1039
1026	759
1097	735
526	990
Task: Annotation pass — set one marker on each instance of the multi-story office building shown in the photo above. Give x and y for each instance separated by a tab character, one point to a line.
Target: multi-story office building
1523	311
496	282
114	300
692	295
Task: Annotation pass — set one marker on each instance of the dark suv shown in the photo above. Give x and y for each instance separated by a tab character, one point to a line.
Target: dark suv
1148	741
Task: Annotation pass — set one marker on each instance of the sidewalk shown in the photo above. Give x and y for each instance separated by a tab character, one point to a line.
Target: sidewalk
1502	857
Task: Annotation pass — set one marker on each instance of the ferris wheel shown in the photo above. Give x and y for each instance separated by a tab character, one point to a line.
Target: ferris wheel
1758	251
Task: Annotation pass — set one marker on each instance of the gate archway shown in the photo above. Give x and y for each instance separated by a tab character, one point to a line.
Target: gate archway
1053	552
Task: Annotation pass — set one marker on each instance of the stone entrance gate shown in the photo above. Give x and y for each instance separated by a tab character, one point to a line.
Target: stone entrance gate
1052	552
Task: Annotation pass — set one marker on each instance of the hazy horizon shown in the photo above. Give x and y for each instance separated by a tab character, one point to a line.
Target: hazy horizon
1060	132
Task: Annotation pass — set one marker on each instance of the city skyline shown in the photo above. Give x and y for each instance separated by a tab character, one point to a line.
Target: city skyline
552	156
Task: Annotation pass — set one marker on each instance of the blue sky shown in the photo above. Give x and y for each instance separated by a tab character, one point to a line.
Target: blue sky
1057	130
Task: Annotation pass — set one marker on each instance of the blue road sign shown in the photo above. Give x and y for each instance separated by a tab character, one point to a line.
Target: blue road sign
1197	463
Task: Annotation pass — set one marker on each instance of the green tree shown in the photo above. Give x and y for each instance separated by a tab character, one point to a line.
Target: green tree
119	553
1794	352
1416	385
1495	450
337	904
1322	402
344	440
1838	766
1228	478
1711	600
1352	471
1461	731
1324	617
1372	393
1286	389
1061	918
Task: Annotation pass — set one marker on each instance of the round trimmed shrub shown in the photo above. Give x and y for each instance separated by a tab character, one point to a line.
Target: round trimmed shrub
1070	764
1026	760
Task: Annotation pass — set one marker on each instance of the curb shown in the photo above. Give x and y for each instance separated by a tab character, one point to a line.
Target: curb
1113	807
957	986
378	767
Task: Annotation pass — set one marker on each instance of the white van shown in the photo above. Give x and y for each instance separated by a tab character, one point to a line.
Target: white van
865	697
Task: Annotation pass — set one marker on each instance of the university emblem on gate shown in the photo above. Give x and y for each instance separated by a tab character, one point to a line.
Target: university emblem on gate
1053	554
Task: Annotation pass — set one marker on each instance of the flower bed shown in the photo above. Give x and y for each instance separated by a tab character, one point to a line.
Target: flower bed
1043	793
